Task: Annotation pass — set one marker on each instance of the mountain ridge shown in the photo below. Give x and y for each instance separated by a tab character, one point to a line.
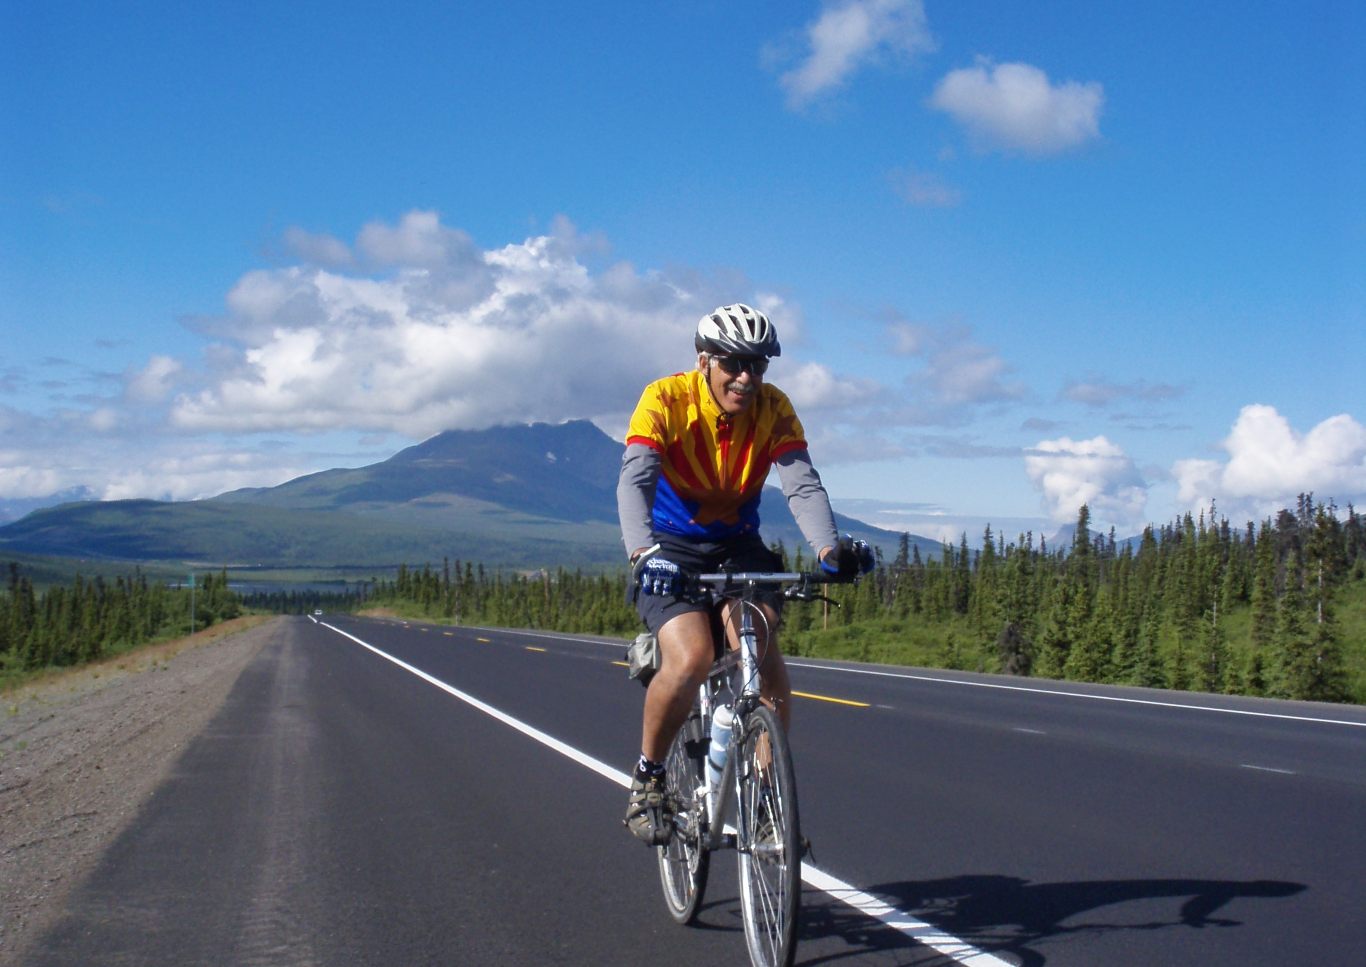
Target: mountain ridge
525	495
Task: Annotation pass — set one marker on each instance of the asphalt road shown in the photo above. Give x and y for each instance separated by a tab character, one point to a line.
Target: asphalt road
344	809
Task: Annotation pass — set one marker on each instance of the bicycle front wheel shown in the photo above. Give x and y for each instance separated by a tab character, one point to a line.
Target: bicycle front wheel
684	862
769	841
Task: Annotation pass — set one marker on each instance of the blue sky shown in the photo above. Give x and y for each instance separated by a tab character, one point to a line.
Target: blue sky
1020	256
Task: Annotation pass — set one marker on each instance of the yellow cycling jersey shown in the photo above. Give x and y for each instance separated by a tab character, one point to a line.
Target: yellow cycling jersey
712	466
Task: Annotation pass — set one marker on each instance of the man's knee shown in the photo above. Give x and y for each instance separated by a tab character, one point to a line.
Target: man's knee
691	663
687	646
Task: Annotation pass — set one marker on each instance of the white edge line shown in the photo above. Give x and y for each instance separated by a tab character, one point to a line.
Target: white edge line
601	768
1090	695
942	943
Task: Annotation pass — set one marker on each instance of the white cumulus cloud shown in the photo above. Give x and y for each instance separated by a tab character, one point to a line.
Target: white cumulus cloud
19	478
815	386
849	34
446	336
1269	464
1017	108
1094	472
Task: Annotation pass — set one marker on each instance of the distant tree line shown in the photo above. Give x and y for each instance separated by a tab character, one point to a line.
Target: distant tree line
1198	604
285	600
560	600
89	619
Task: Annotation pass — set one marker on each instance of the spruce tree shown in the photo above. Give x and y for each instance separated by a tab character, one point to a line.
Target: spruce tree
903	552
1295	648
1211	665
1057	633
1320	673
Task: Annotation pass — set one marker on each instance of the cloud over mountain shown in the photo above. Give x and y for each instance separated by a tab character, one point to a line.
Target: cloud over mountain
1095	472
440	335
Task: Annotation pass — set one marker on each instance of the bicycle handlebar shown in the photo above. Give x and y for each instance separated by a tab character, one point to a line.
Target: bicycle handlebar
794	584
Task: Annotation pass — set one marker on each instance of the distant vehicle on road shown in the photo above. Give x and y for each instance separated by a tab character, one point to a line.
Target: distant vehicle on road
317	612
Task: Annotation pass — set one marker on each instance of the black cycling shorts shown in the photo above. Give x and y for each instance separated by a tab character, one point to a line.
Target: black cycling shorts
745	553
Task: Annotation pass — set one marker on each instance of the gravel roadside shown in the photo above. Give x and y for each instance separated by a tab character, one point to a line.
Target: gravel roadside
81	751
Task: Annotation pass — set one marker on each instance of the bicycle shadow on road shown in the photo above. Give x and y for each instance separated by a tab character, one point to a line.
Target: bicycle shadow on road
1007	915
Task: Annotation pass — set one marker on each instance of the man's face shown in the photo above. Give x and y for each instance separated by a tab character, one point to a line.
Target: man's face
736	390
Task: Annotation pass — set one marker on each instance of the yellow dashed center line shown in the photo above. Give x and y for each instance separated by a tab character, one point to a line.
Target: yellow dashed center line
449	634
484	640
836	701
623	664
532	648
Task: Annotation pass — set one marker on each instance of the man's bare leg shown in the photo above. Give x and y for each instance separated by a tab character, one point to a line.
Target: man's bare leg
685	645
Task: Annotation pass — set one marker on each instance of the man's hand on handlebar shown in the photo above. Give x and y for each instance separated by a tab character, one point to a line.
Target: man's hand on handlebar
848	559
657	575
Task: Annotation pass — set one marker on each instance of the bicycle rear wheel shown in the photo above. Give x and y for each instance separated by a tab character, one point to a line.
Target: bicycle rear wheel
769	841
684	862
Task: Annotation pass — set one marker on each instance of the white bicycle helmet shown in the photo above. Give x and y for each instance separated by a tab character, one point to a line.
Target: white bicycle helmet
737	330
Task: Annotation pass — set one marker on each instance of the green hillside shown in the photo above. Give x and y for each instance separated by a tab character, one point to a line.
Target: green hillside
226	534
529	496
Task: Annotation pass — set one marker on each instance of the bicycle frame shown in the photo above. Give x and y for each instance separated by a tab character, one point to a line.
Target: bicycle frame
747	658
756	786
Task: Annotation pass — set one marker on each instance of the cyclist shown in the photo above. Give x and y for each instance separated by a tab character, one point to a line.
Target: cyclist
698	449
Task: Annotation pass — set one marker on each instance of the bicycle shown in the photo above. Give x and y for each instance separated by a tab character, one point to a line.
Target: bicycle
757	778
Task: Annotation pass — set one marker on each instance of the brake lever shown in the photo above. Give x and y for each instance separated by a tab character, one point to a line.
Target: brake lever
801	594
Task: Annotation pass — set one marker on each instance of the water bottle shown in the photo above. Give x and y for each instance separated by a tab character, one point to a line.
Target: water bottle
721	720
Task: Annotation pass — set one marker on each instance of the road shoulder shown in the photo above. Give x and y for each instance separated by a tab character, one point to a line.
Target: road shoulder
81	752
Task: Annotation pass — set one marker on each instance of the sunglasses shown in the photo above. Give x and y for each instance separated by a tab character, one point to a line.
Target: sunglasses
735	365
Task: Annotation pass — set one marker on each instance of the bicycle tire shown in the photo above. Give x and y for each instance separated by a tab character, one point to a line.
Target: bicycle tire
770	841
684	862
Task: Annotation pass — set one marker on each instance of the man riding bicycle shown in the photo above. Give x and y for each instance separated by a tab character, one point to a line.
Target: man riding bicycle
698	450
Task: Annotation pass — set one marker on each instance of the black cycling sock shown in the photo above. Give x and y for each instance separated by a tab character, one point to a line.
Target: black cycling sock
648	768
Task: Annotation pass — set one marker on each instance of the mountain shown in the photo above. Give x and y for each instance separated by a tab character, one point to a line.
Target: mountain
17	507
566	472
512	496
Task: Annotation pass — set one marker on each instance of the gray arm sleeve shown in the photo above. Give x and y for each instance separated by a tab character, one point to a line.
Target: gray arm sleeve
807	499
636	495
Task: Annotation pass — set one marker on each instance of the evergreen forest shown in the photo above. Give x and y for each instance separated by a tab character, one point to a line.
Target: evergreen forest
88	620
1276	609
